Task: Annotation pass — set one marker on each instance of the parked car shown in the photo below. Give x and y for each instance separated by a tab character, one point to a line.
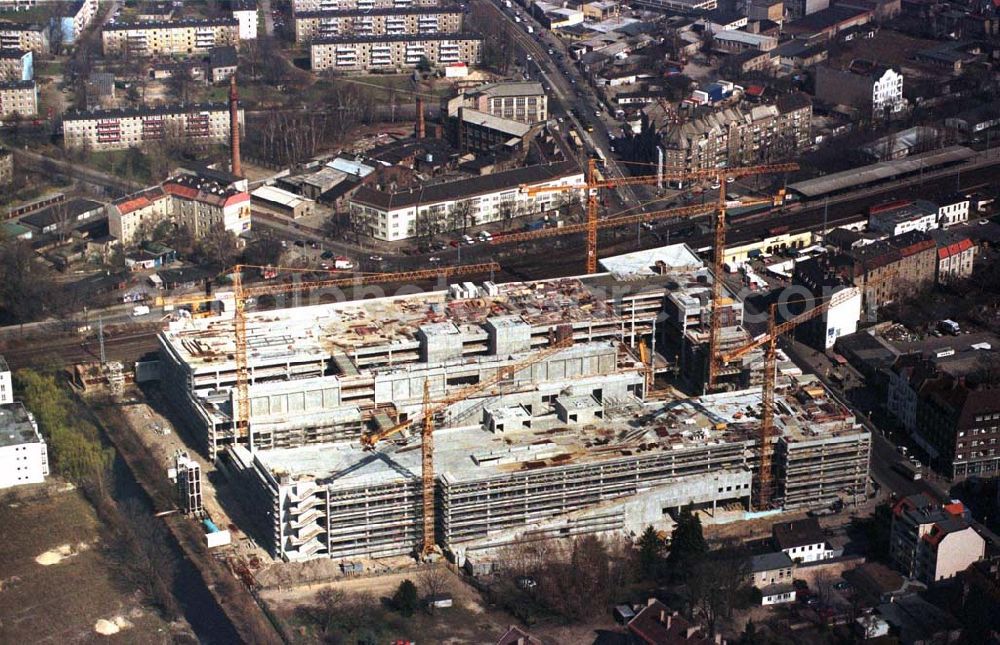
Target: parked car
467	240
434	259
326	255
375	258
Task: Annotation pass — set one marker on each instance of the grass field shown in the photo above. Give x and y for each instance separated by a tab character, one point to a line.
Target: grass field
55	582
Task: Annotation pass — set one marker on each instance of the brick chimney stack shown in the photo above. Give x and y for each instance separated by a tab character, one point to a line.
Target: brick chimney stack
234	126
421	126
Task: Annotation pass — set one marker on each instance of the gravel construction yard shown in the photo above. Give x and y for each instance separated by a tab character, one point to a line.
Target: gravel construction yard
57	585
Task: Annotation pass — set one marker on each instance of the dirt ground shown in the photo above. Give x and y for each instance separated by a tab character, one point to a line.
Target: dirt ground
56	585
468	622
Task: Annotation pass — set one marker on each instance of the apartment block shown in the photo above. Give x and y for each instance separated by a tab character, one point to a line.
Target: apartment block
33	38
245	13
6	166
367	53
197	203
523	101
23	455
18	98
174	38
16	65
932	542
488	198
134	127
737	136
958	422
882	270
73	18
312	25
300	6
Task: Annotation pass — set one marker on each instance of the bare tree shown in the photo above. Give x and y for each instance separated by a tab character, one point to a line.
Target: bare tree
433	581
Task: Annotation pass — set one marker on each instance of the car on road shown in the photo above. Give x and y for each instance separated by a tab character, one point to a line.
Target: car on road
375	258
551	51
467	240
326	255
434	258
597	113
455	243
300	243
984	222
485	236
716	185
730	180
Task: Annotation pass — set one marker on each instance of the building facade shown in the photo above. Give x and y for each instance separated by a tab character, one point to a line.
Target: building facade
523	101
311	25
933	542
18	98
23	454
340	5
366	53
196	203
958	424
956	255
135	127
16	65
245	13
738	137
485	199
6	166
172	38
874	90
77	17
954	211
898	217
33	38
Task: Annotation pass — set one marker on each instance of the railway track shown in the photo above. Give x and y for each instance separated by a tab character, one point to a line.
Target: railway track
62	351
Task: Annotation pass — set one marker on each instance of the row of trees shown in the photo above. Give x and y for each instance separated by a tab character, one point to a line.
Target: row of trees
138	543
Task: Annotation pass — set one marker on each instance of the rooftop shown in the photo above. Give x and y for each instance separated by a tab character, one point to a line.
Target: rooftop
122	113
172	24
770	562
467	187
17	426
474	453
383	11
500	124
399	38
509	88
798	533
880	171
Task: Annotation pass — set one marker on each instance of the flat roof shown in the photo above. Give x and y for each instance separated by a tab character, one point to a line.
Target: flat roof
279	196
879	171
16	426
675	257
473	453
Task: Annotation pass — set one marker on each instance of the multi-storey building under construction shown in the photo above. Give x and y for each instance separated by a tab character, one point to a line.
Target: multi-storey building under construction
570	443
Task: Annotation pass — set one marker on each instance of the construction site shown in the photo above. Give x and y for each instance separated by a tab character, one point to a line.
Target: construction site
468	418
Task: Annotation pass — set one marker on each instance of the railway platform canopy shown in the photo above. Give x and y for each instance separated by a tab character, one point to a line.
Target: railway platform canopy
856	178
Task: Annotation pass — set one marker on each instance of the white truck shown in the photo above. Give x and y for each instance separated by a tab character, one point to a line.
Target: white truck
342	263
139	310
530	29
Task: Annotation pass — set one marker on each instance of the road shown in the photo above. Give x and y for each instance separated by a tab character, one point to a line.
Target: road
569	90
265	6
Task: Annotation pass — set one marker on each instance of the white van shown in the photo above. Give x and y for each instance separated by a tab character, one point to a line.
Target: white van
140	310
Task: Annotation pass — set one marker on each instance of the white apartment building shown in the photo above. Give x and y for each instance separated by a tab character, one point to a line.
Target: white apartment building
364	53
16	65
197	203
335	5
887	92
489	198
18	98
171	37
245	12
33	38
75	19
23	457
127	128
310	25
955	211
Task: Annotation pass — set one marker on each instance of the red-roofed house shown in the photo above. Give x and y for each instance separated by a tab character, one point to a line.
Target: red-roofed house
955	256
656	624
196	202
